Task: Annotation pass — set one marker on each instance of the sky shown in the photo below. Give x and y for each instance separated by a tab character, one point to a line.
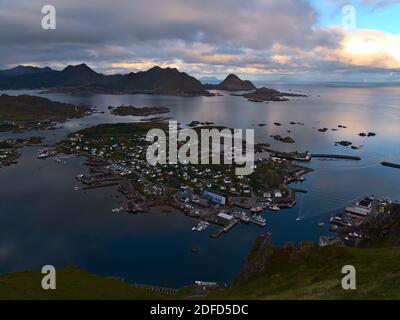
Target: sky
277	40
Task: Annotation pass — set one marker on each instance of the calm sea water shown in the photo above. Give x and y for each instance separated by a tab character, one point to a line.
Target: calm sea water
44	221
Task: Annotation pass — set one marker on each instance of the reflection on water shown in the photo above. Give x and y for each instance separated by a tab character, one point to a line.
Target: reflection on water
44	221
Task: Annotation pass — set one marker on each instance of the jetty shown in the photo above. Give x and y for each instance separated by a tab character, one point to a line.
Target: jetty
307	156
391	165
335	156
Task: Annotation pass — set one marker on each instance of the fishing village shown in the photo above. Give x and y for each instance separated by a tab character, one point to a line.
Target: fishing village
115	155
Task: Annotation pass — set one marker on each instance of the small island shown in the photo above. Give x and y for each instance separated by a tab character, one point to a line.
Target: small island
284	140
139	111
265	95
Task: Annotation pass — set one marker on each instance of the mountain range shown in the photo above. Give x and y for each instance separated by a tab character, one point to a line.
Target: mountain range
81	78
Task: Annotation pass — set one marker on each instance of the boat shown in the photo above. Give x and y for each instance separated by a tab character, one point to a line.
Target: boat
275	208
242	216
203	225
257	210
43	154
258	220
116	210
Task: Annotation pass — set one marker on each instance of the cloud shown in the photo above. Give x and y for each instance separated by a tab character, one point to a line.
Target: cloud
379	4
371	48
215	32
197	36
373	5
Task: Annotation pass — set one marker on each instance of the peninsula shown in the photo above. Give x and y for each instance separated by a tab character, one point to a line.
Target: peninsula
26	112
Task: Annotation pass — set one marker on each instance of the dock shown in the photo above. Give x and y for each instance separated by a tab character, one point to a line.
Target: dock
217	233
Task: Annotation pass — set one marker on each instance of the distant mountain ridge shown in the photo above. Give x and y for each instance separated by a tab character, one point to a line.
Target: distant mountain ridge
82	78
37	78
21	70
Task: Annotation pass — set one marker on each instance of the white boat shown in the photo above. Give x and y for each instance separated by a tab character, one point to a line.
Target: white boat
259	220
242	216
275	208
43	154
116	210
203	225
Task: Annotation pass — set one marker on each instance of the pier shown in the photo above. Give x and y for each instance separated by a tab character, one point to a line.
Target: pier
335	156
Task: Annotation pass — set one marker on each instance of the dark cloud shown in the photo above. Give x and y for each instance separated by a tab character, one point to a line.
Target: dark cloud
203	36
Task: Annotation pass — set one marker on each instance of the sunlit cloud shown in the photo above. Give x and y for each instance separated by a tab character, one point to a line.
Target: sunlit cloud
371	48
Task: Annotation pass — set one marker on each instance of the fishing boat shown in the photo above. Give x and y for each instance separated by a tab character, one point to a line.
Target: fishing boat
117	210
242	216
258	220
43	154
257	210
203	225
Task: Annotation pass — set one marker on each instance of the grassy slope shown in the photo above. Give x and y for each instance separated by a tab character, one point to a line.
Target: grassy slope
318	276
72	283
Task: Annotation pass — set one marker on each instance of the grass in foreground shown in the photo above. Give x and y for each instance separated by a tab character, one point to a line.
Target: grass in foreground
72	283
317	275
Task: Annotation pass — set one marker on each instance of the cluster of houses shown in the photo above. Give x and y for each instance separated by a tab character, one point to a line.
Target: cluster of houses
348	225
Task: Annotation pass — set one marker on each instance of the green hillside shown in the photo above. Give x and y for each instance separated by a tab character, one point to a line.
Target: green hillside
315	273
